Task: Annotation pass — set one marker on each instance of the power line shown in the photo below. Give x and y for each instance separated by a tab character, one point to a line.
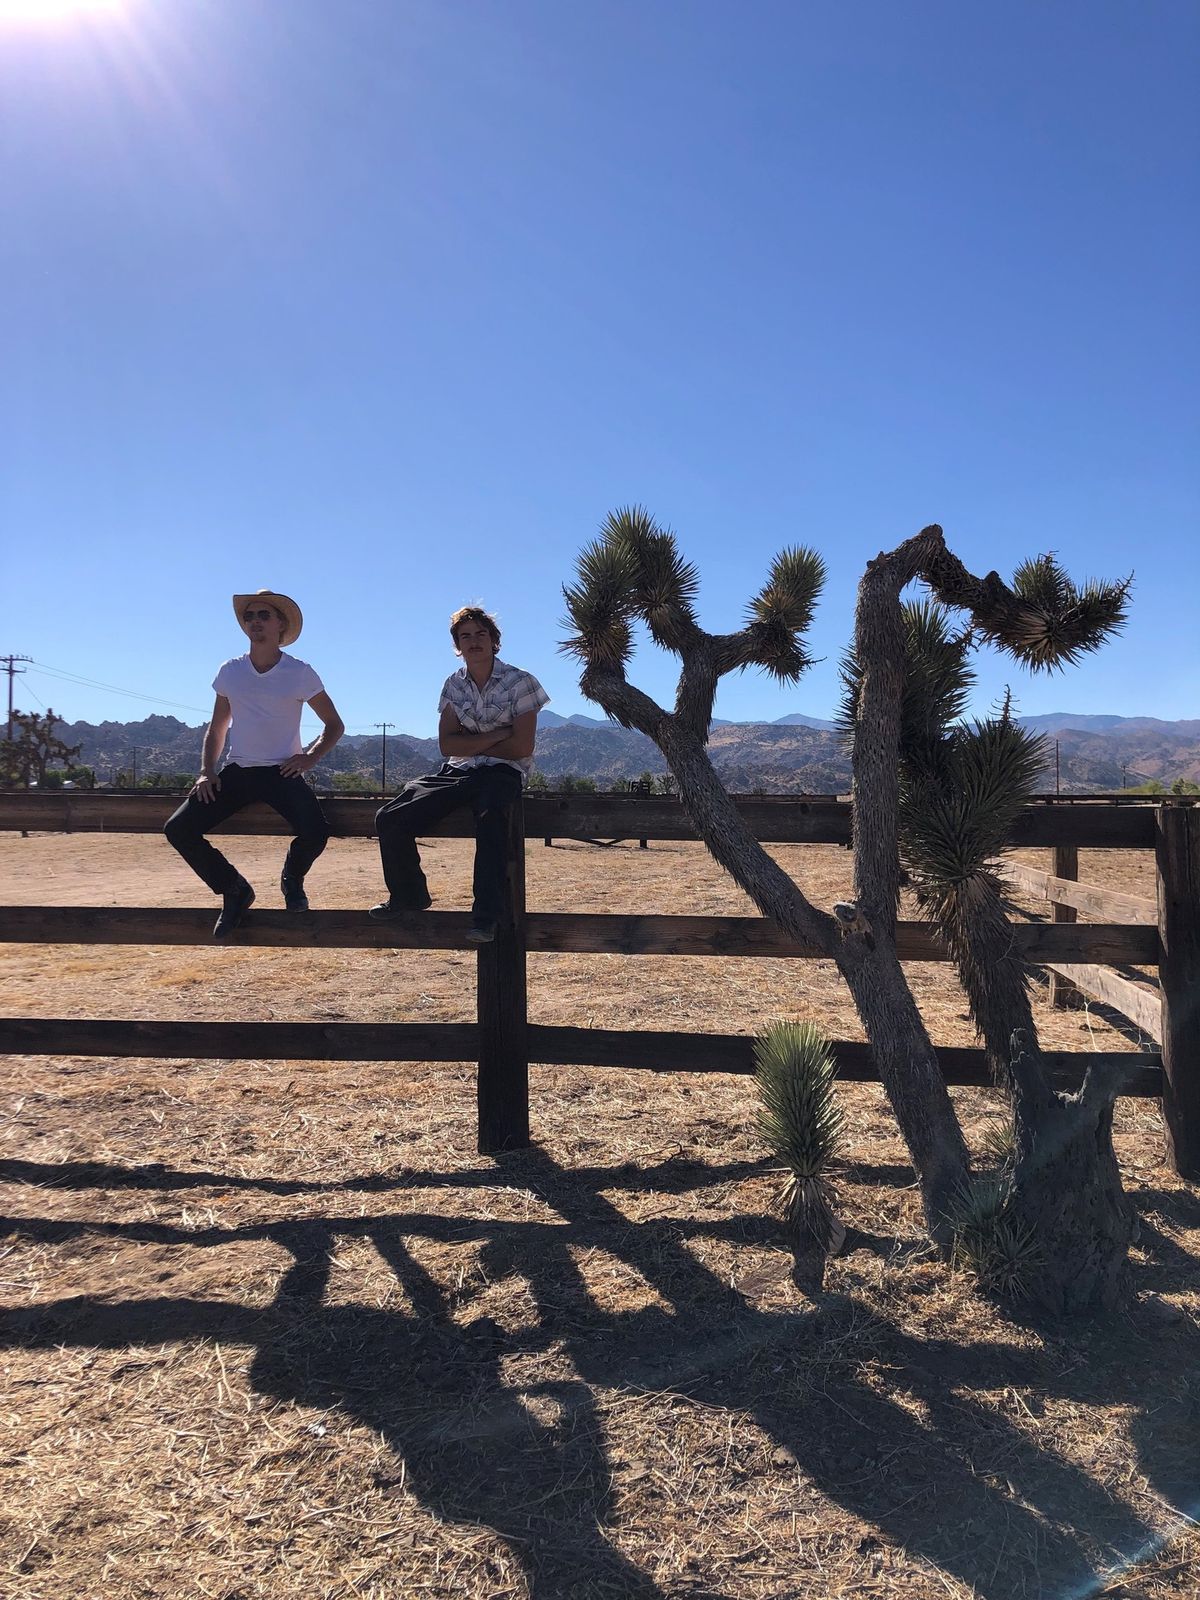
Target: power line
62	674
112	688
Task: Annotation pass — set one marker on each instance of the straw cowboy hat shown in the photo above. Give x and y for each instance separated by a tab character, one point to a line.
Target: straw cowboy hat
293	619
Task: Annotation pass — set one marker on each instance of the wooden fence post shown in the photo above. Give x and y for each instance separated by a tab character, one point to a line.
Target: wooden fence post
1177	856
1064	865
503	1084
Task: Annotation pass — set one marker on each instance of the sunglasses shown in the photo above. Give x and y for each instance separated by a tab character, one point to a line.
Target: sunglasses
257	616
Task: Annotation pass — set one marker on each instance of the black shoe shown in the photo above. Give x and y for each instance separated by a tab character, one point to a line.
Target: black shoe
235	903
294	897
387	909
481	931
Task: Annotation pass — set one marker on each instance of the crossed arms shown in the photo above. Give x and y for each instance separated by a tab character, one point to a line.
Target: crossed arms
512	741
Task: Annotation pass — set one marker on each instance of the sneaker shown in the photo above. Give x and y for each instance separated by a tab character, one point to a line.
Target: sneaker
481	931
386	910
235	903
294	897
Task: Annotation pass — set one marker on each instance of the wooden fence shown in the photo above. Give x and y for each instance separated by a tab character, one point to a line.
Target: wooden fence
1067	897
504	1042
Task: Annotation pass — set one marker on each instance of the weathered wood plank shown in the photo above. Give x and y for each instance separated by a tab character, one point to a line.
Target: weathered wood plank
547	932
78	811
233	1041
1142	1006
1086	897
452	1041
755	936
501	999
1177	859
650	1051
1065	858
779	819
775	819
176	925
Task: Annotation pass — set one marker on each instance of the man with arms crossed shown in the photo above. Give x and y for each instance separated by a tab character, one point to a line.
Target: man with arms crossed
486	731
260	698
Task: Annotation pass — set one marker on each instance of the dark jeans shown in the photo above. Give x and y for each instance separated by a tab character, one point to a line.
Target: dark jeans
489	791
242	786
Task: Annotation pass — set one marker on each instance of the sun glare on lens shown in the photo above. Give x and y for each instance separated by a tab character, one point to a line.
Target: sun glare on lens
57	13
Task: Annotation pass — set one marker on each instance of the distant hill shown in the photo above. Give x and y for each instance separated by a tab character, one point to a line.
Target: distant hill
796	753
551	719
797	719
1057	721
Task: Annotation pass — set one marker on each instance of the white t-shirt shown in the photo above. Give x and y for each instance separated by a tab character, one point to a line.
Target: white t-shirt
266	708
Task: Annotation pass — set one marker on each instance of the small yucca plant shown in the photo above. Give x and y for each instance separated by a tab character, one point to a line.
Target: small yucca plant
801	1120
1000	1253
999	1144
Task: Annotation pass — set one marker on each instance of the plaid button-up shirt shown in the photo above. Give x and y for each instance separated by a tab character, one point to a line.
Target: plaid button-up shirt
507	694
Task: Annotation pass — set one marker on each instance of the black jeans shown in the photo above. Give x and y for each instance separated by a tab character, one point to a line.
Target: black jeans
489	791
242	786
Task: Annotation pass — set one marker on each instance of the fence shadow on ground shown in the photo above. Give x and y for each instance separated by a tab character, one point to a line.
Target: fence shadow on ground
899	1430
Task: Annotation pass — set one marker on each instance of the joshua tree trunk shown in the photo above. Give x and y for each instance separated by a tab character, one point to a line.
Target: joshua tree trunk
905	1058
1066	1188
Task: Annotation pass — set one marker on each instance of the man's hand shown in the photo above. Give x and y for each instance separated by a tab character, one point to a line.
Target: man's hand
297	766
206	786
455	740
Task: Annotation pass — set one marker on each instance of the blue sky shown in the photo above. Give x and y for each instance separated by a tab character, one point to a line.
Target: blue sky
387	304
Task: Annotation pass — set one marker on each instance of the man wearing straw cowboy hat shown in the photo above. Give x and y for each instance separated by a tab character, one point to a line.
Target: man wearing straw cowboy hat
260	698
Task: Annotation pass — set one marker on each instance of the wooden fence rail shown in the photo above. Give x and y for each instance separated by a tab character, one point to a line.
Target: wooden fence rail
1087	897
502	1040
1071	979
775	819
546	932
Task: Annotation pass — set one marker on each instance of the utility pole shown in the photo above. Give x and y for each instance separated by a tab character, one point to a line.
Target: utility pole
383	773
134	753
10	666
1057	773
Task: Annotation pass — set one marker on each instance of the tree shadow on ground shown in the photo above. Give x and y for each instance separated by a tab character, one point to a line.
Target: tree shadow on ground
673	1175
903	1432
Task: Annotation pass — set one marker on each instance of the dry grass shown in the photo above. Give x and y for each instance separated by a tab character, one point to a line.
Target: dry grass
276	1330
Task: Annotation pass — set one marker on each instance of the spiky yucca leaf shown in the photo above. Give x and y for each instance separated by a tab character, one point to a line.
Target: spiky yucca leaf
664	585
800	1115
1001	1253
1000	1143
845	716
801	1120
937	677
1054	621
776	649
959	802
598	606
780	612
790	593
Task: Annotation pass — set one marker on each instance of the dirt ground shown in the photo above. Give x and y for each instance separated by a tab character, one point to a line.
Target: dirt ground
275	1329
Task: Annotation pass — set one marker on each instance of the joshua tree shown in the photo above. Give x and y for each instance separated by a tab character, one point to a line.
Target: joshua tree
25	758
925	786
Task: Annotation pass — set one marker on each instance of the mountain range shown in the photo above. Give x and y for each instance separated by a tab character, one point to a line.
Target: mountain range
796	753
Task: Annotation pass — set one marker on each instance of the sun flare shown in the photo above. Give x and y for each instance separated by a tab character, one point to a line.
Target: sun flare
56	13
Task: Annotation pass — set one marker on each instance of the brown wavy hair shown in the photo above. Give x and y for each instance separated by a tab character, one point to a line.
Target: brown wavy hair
475	614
